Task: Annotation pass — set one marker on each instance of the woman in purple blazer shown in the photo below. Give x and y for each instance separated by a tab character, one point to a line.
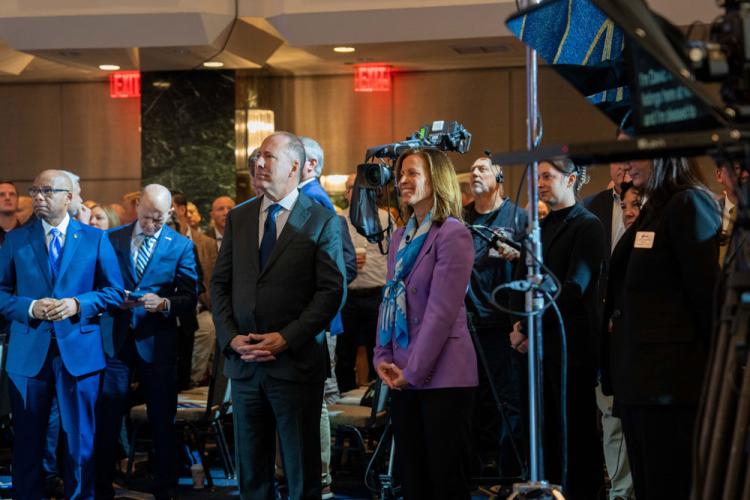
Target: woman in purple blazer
424	352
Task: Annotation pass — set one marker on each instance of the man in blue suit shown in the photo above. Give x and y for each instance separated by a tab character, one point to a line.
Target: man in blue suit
56	277
159	270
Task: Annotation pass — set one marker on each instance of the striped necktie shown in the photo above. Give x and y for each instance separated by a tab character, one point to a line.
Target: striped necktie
55	251
144	255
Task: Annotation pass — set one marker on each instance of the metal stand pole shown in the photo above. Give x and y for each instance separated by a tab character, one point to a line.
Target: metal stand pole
534	301
537	487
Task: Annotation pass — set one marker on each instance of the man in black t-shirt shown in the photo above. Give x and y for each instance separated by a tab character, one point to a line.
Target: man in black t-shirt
495	435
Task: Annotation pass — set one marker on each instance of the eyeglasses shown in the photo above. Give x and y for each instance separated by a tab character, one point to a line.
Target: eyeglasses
47	192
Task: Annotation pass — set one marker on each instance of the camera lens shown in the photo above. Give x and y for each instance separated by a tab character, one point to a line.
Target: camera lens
377	175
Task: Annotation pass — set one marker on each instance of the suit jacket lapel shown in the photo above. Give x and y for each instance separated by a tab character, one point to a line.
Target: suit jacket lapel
248	244
72	240
298	217
162	247
429	241
39	244
123	250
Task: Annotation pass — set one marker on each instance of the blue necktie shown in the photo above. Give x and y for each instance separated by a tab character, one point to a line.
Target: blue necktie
269	234
55	251
144	255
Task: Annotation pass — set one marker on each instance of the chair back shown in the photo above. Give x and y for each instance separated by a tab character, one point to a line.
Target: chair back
218	388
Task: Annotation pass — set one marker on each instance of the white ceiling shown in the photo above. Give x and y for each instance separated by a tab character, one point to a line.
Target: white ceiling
50	40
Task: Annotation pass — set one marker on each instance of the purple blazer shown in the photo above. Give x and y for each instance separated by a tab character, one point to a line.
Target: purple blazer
440	353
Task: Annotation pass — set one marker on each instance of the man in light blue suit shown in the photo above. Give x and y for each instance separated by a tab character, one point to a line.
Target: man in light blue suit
56	277
159	270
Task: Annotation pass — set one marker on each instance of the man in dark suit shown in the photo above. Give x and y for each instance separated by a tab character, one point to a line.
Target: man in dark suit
159	269
56	277
277	284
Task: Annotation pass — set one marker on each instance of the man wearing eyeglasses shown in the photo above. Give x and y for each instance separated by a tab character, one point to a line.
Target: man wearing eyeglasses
161	282
56	276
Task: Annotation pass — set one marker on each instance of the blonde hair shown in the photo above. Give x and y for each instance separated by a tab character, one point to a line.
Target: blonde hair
446	193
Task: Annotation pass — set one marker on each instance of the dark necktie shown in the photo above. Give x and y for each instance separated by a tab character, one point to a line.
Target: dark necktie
55	251
269	234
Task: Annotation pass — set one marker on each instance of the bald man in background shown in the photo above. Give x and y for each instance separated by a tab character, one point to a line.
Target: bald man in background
159	270
219	210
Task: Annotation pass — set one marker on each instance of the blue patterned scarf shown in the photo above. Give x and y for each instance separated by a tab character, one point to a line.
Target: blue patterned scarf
393	321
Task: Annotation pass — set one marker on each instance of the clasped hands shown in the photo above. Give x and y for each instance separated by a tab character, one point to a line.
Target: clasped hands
50	309
518	340
258	347
392	375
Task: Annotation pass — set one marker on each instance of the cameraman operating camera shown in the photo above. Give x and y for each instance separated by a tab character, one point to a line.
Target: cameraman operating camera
493	266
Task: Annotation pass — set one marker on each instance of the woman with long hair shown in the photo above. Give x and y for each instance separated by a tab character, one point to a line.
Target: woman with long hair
423	349
659	305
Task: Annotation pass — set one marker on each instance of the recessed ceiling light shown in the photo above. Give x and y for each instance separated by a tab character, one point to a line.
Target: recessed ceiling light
213	64
344	50
109	67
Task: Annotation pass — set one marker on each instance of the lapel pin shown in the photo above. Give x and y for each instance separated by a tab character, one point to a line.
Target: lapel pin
75	236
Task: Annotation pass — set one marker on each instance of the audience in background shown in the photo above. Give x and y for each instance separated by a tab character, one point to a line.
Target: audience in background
194	216
25	210
8	208
354	349
103	217
77	209
119	210
415	411
219	210
129	201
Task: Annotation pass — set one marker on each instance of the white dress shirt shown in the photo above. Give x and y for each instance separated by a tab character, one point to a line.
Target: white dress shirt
618	226
136	240
726	215
287	204
373	273
63	228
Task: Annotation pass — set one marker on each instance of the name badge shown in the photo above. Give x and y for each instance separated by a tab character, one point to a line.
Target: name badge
644	239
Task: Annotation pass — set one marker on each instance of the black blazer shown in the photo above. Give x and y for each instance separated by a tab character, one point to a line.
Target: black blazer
660	301
601	205
297	294
574	252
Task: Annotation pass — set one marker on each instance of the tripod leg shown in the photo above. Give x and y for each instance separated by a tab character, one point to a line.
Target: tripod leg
737	451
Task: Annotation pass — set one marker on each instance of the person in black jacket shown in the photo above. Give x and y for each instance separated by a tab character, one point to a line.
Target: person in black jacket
497	436
573	249
659	303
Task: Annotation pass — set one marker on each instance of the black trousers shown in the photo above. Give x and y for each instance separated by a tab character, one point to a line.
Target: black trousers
262	406
585	476
659	441
360	317
432	431
496	434
159	382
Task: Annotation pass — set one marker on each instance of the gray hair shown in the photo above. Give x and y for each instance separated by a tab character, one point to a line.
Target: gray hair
74	179
313	151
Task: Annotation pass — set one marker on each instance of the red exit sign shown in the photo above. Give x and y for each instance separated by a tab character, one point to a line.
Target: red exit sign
125	84
372	78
